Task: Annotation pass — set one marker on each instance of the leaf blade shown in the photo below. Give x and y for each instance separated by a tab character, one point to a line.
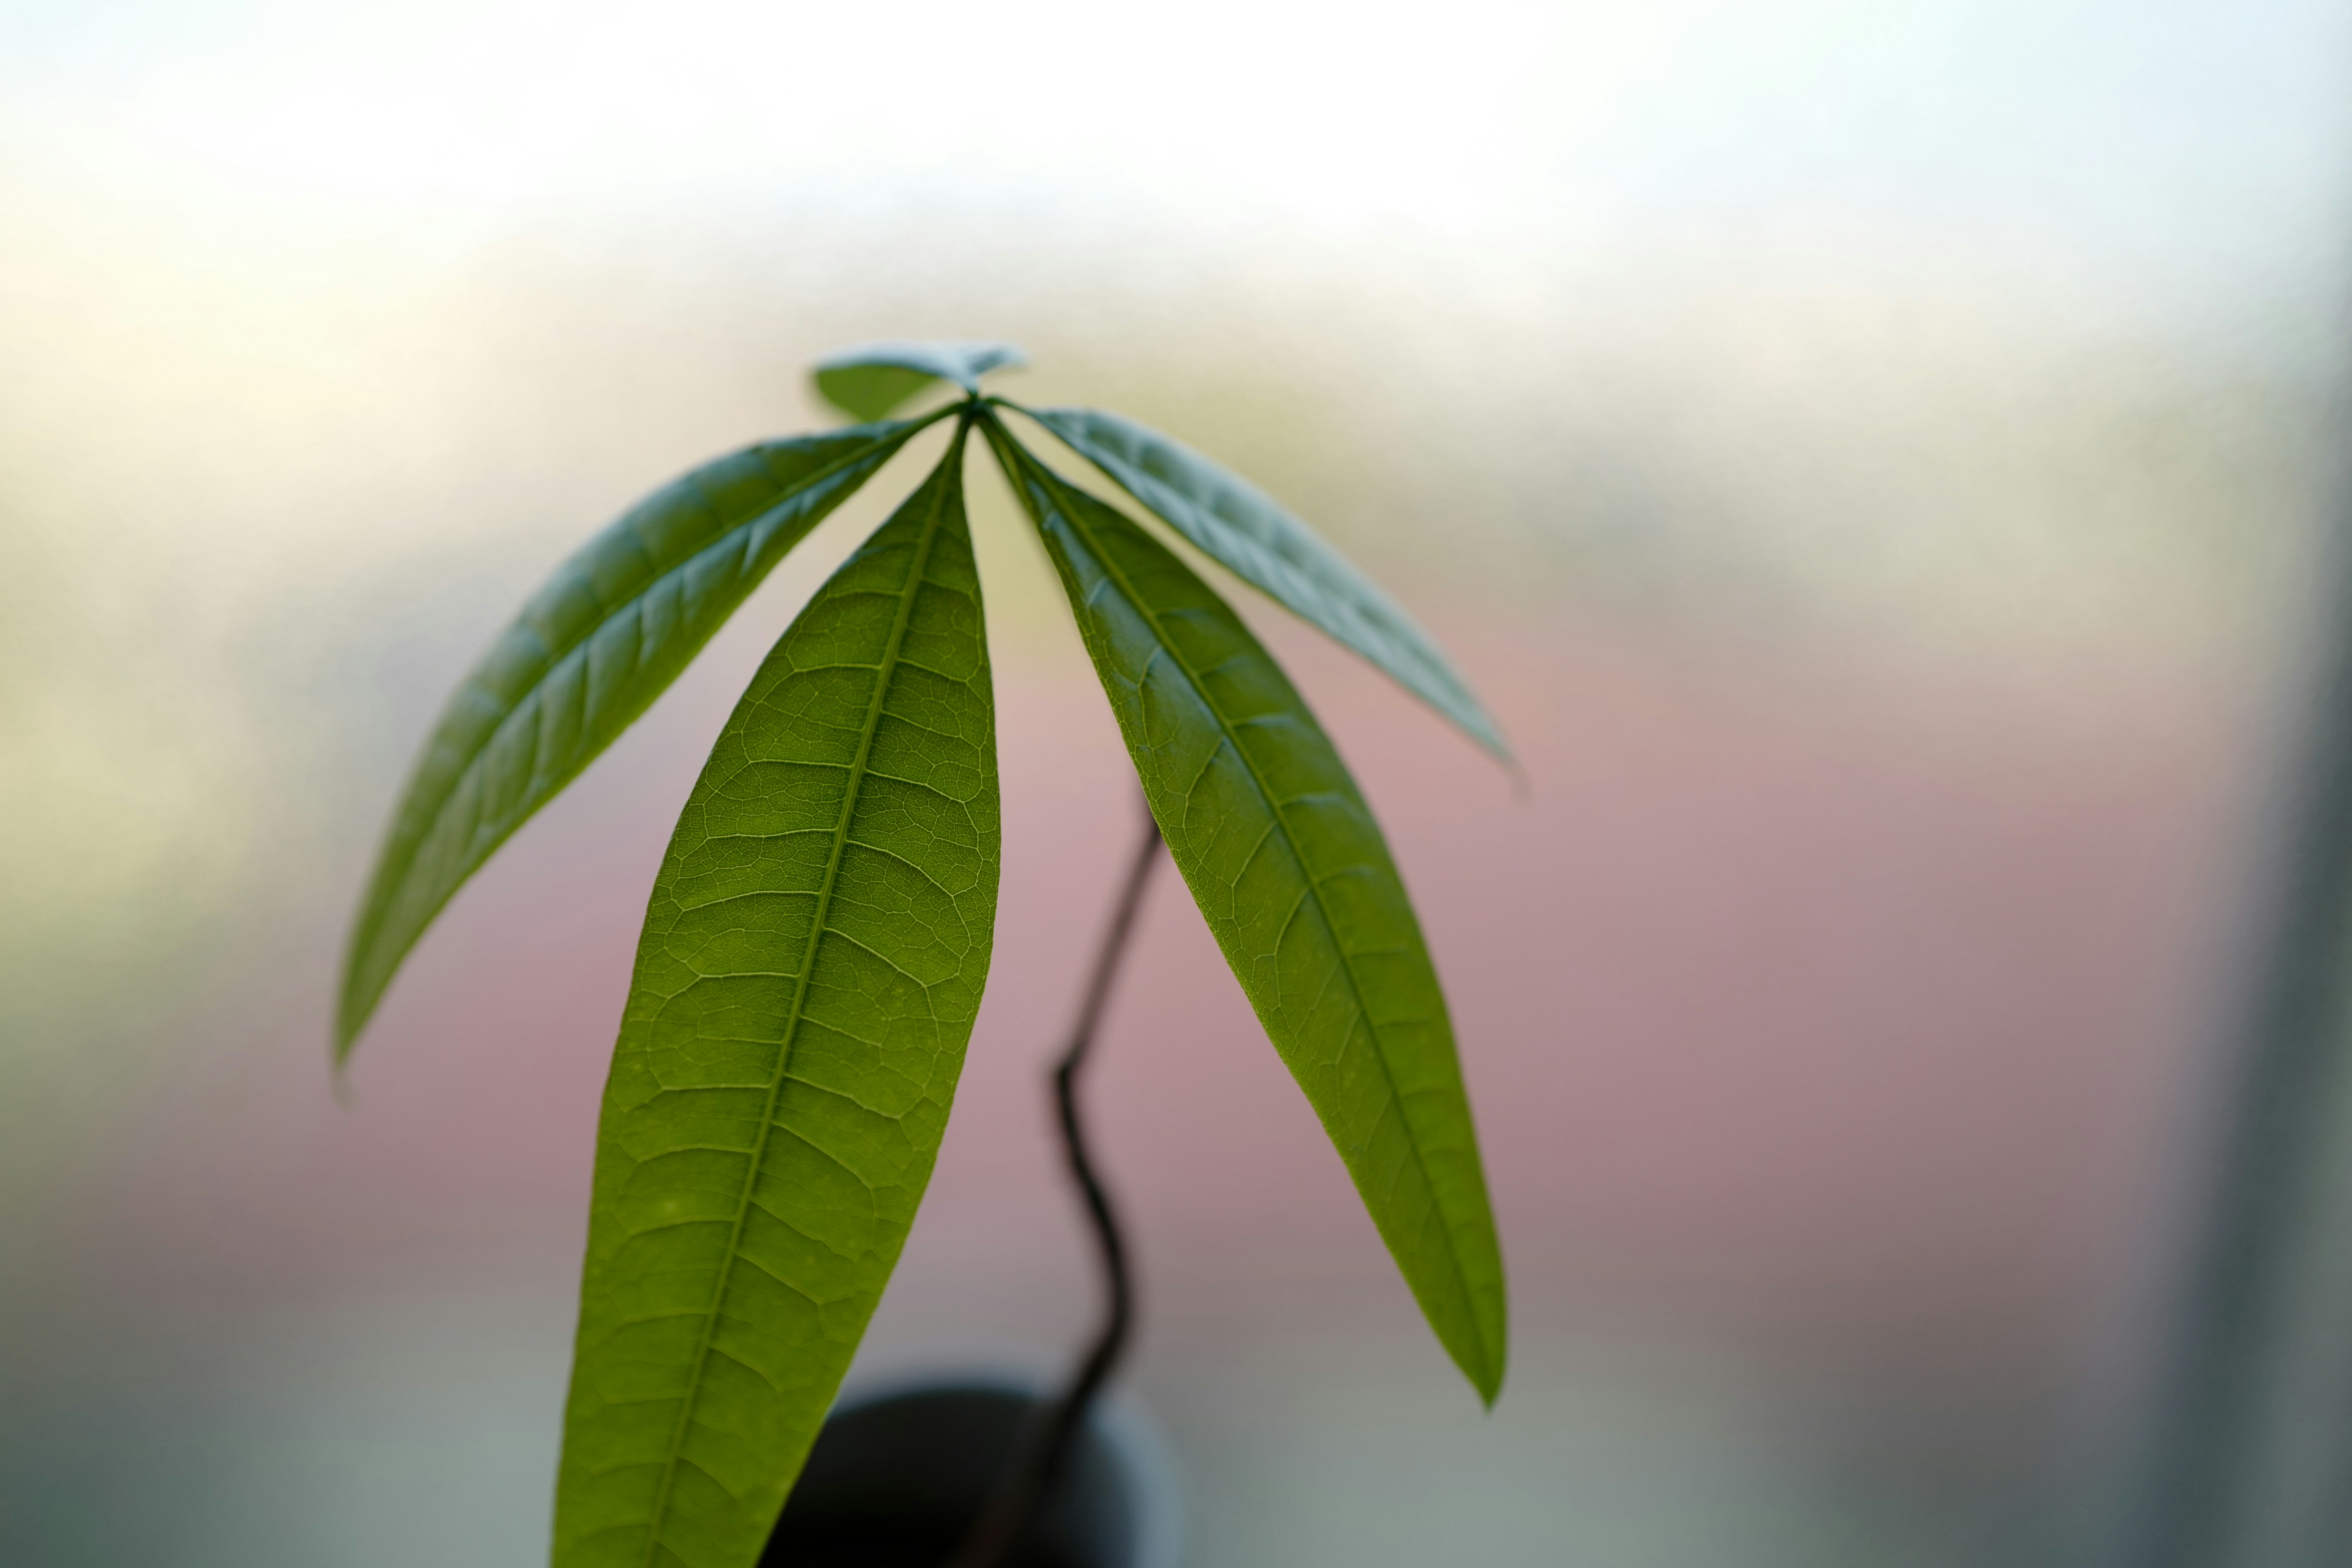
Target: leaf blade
1296	882
1246	530
870	380
788	1055
592	649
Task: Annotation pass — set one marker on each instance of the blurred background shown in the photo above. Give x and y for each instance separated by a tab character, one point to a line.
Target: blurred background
1867	455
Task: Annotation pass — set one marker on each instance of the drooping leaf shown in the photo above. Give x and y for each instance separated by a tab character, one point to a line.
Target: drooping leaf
872	379
1286	864
589	653
1241	526
811	964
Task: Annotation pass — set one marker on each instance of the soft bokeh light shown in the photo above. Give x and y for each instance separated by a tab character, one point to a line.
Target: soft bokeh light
1864	453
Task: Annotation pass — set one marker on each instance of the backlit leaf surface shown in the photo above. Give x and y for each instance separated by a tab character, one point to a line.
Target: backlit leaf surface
590	652
1248	531
1286	864
812	962
872	379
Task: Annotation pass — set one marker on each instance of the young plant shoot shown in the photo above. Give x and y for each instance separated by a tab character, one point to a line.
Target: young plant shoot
819	931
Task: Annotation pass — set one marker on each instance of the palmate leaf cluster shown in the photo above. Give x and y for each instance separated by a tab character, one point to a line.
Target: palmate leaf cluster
819	931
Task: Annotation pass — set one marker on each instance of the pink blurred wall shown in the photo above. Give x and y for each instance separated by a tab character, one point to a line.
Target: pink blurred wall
1834	1008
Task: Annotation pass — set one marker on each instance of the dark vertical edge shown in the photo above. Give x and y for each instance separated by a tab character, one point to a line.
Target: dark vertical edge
2243	1456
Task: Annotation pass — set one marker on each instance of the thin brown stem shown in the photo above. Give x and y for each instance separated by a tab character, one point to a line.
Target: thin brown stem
1038	1464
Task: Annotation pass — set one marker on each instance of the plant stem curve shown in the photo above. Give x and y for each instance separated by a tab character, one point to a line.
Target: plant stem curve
1028	1480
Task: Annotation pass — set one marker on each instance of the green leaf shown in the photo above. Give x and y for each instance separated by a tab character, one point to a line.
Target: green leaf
589	653
870	380
1283	856
811	964
1241	526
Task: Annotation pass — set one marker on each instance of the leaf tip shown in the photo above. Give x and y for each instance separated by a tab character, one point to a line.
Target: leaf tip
1470	716
1481	1343
1522	786
355	1005
1482	1361
1488	1382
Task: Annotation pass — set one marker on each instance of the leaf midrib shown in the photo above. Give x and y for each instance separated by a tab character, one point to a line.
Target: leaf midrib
1314	888
796	1014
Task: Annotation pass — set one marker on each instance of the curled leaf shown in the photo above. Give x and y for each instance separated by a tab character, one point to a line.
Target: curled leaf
871	380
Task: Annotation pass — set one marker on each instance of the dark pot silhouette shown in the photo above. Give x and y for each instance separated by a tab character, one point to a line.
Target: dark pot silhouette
898	1475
